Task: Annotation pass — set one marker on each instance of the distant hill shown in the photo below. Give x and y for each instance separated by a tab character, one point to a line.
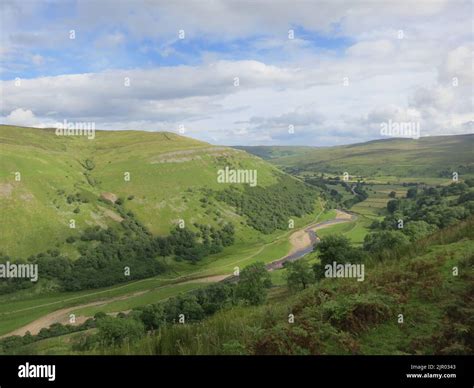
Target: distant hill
275	152
436	157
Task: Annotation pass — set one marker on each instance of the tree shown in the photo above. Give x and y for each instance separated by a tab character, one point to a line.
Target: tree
336	248
392	205
115	331
186	305
299	274
392	194
191	309
412	192
333	248
152	316
385	240
253	283
215	297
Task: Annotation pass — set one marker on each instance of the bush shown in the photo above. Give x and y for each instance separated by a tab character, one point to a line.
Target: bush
386	240
115	331
152	316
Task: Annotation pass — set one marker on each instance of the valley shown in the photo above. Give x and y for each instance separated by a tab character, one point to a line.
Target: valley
186	230
173	287
182	179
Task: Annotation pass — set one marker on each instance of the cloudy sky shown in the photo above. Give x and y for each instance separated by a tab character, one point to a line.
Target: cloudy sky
240	72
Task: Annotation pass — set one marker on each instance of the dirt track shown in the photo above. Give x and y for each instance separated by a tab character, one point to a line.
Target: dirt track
62	316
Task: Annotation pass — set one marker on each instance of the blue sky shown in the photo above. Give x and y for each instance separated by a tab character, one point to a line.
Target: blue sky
346	72
115	47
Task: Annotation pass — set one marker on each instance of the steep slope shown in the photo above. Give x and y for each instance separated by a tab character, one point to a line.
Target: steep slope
160	177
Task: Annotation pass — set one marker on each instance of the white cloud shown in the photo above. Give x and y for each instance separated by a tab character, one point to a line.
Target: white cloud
26	118
281	81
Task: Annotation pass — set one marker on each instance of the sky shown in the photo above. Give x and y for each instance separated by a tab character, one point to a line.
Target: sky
228	72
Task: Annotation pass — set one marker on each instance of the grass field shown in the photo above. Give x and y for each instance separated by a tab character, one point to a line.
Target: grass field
355	231
374	206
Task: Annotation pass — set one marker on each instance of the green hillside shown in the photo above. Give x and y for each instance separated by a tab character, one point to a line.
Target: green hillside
64	177
393	159
137	223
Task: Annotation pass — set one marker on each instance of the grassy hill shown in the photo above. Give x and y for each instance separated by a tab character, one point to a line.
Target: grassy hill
172	178
64	177
383	160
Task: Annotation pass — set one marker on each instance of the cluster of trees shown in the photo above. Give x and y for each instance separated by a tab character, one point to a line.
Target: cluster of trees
385	243
77	197
111	257
251	289
360	194
318	181
193	246
331	194
338	248
423	210
130	252
269	208
332	248
254	281
12	343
